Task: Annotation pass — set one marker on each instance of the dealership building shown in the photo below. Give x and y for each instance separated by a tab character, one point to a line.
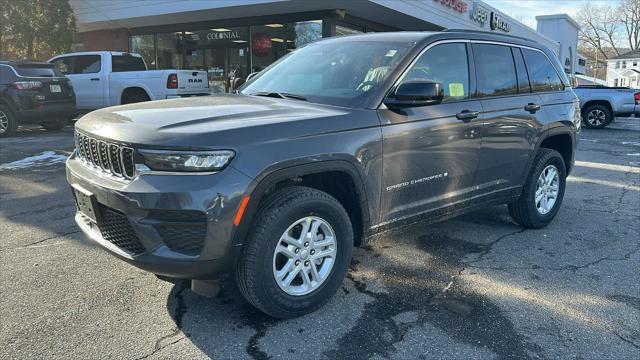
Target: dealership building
232	38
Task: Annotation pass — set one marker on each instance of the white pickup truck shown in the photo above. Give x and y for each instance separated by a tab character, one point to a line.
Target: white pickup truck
107	78
600	104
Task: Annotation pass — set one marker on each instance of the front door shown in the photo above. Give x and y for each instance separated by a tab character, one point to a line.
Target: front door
430	155
86	75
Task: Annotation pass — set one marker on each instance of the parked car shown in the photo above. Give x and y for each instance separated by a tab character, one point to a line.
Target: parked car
601	104
342	139
107	78
33	92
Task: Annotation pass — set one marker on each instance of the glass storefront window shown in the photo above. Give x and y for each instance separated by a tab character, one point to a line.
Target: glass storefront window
144	45
343	30
272	41
229	55
169	54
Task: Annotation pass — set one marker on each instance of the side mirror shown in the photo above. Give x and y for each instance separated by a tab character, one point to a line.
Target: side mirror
251	76
415	93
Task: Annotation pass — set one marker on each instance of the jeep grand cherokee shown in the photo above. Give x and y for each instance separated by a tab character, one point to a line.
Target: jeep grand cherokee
341	139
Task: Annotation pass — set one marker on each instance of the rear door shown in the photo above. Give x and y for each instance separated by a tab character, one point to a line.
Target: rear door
511	116
86	75
430	156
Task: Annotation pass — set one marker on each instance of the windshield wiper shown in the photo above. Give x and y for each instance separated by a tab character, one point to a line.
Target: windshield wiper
281	95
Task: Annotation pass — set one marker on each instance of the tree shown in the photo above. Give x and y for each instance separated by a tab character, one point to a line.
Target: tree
35	28
599	28
629	12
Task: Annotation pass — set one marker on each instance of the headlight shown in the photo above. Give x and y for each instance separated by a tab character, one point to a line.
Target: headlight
186	161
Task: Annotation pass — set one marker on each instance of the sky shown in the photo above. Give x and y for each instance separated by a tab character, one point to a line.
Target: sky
527	10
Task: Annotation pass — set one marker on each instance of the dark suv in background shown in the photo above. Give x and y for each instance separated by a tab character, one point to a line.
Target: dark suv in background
339	140
34	92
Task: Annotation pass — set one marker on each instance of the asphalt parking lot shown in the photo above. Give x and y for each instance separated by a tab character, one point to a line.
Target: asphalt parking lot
477	286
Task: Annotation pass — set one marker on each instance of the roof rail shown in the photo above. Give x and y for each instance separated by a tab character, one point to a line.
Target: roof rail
487	33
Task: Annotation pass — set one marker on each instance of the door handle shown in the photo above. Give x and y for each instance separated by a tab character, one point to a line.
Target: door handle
531	107
467	115
95	79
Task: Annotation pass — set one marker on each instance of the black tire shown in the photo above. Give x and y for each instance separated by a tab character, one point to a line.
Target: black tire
8	122
595	113
524	211
54	125
254	274
134	96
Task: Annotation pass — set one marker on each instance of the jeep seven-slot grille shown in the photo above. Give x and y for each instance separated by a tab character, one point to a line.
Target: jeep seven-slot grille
111	158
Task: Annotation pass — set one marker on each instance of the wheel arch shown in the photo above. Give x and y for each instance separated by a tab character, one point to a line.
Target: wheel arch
559	138
602	102
132	89
335	177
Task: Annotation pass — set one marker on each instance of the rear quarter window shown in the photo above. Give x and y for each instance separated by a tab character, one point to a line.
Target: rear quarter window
542	74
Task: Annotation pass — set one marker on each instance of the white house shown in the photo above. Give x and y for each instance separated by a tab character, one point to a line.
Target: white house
624	70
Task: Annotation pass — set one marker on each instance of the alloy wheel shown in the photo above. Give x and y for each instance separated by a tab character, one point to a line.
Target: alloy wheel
304	256
596	117
4	122
547	189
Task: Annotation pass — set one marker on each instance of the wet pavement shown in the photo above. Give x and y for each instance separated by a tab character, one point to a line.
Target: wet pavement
477	286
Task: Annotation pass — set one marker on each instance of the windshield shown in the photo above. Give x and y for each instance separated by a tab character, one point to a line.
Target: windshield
333	73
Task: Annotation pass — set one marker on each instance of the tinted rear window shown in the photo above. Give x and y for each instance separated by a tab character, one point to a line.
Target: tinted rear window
495	71
127	63
37	71
542	74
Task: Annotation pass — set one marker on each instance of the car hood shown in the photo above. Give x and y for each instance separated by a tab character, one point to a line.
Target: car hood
191	122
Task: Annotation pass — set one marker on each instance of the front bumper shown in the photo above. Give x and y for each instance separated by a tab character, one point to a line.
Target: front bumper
179	226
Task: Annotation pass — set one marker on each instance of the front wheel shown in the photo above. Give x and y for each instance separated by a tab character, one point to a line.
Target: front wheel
298	253
8	123
542	193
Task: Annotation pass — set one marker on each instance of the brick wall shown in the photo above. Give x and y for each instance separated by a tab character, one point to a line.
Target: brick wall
111	40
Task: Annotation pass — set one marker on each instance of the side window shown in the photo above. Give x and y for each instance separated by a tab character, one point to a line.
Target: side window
6	74
87	64
521	71
64	64
495	70
446	64
120	63
542	74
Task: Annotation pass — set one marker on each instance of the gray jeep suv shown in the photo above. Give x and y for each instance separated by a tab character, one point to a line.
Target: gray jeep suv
340	140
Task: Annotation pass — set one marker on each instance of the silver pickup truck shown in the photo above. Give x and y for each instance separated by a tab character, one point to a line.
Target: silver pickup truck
600	104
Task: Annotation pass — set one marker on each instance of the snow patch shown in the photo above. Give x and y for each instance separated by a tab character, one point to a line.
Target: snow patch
42	159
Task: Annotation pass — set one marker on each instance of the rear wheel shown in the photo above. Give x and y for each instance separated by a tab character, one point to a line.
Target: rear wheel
298	253
54	125
131	96
8	123
597	116
542	193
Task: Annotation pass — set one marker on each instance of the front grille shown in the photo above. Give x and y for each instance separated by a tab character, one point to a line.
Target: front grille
114	159
116	229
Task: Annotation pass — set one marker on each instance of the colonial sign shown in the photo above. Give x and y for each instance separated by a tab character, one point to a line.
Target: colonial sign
226	35
457	5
